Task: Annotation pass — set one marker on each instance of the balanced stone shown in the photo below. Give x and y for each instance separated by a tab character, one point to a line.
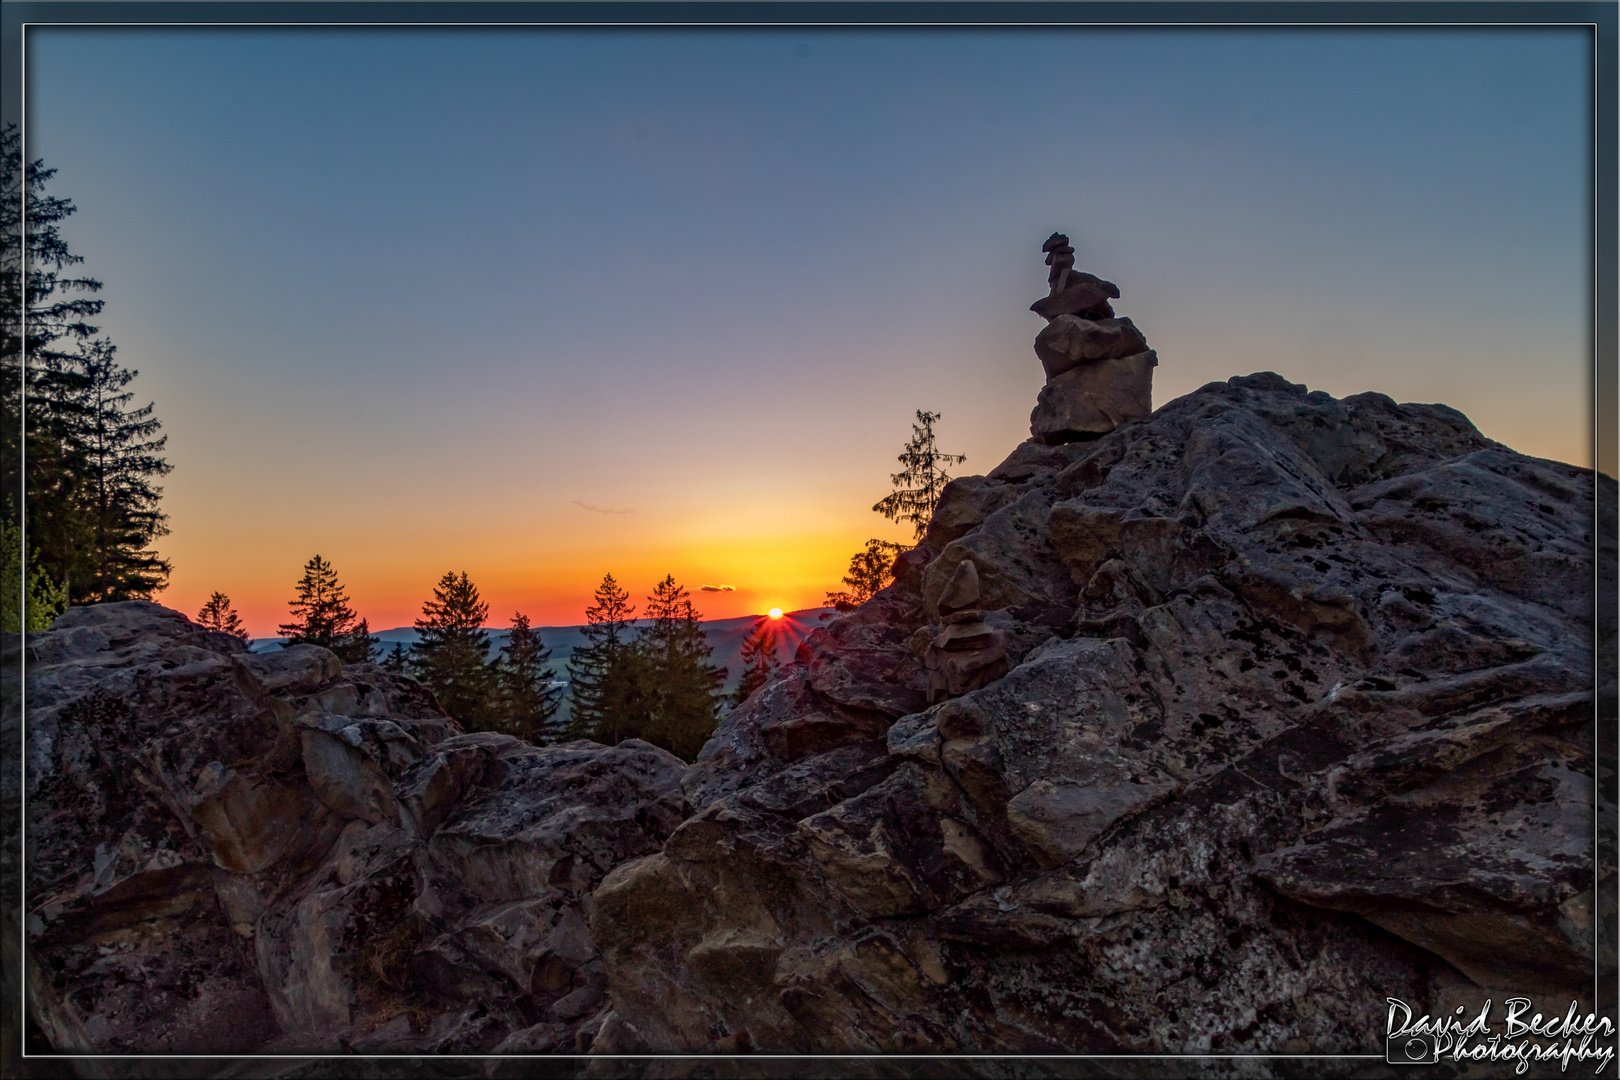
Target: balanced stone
1082	294
1094	399
1069	341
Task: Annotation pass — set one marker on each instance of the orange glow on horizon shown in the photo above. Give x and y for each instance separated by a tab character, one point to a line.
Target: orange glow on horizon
552	583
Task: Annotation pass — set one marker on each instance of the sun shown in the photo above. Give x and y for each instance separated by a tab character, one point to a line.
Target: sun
776	613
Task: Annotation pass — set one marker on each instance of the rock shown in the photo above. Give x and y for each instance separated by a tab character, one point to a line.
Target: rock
233	853
1069	342
1286	739
1082	294
962	590
1094	399
1206	735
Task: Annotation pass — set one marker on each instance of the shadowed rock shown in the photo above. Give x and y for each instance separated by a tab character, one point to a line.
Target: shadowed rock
1295	715
231	853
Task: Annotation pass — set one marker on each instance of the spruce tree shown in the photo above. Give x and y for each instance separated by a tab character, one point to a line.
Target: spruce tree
451	654
361	648
759	660
918	484
603	674
682	687
322	615
528	701
118	448
869	571
218	614
33	277
91	505
396	660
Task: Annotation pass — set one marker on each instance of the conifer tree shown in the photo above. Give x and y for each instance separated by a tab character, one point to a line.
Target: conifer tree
603	674
682	687
918	484
759	660
33	277
396	660
92	507
29	599
322	615
869	571
528	701
451	654
361	648
118	449
218	615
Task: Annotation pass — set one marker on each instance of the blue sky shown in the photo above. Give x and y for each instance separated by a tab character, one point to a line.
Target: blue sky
410	297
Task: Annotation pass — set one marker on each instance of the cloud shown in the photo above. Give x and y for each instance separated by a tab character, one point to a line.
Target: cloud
717	588
599	509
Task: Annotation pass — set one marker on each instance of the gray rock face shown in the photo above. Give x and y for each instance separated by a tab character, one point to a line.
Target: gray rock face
230	853
1068	342
1296	714
1207	734
1094	399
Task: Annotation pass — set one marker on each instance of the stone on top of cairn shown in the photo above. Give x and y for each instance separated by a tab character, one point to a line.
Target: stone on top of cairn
1099	370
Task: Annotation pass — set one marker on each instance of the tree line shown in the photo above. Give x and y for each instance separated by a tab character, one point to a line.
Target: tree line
652	681
74	447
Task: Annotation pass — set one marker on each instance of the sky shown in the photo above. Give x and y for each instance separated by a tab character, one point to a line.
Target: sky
542	304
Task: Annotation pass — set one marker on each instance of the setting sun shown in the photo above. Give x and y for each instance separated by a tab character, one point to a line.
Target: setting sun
776	613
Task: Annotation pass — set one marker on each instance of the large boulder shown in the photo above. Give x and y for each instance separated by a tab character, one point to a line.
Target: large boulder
234	853
1093	398
1294	714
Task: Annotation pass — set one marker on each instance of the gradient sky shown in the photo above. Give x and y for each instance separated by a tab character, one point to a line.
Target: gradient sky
543	304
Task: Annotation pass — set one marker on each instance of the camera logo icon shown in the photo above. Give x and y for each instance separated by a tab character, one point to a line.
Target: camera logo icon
1411	1049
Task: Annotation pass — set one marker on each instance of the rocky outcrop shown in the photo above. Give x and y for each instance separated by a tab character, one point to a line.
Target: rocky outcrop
1207	735
232	853
1099	369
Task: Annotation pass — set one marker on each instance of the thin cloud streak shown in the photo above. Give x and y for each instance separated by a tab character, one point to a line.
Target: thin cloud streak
717	588
600	509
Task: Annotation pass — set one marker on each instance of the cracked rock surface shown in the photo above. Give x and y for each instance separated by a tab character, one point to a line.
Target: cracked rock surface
1262	711
234	853
1206	735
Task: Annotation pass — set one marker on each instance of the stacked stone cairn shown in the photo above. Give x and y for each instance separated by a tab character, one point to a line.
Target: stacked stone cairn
1099	370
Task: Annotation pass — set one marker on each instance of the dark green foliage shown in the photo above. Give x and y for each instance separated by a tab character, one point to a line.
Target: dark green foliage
656	685
361	648
31	608
682	689
918	484
450	655
116	450
528	701
604	676
869	571
396	659
759	660
322	615
90	461
218	614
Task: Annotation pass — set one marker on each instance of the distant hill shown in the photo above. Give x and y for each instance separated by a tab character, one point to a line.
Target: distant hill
726	637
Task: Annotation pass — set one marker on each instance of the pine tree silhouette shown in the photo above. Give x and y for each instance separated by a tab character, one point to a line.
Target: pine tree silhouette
918	484
529	702
218	615
322	615
451	654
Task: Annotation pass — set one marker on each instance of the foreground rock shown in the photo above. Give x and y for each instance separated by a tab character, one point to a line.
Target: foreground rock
230	853
1208	735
